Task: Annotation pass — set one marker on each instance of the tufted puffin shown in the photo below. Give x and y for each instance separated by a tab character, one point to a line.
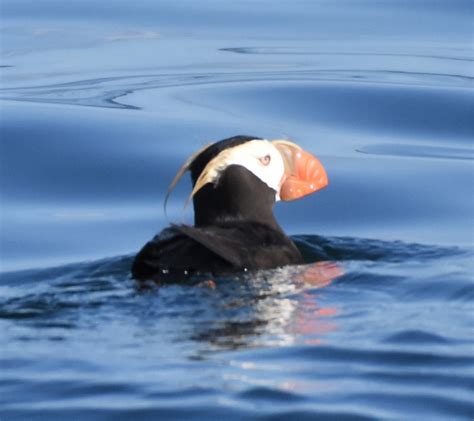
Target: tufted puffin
236	182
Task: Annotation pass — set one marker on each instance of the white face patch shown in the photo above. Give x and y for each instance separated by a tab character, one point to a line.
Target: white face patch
260	157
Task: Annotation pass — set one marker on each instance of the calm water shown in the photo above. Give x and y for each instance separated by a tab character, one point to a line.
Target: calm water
101	103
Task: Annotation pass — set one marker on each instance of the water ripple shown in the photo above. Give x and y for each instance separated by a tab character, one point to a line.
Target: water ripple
106	91
308	51
273	335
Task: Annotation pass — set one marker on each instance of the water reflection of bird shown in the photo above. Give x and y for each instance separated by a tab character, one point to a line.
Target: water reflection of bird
277	307
236	182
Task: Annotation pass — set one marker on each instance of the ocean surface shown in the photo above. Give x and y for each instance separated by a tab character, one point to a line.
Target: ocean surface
101	102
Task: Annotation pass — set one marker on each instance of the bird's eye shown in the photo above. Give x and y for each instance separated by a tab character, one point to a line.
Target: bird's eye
265	160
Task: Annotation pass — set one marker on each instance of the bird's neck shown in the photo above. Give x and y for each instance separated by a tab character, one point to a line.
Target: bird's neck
238	196
211	210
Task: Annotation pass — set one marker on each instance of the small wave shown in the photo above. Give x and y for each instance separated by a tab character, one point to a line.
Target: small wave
383	357
415	337
47	294
314	247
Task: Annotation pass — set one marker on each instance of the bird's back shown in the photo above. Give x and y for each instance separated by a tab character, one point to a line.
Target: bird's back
230	246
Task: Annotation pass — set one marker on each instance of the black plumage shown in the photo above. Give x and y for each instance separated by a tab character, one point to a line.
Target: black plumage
234	230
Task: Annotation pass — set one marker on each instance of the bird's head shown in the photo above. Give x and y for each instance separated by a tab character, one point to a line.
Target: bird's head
244	176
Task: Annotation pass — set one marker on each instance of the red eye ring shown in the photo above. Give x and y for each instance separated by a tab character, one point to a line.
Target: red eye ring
265	160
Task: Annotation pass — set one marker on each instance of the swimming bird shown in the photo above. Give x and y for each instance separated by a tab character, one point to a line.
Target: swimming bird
236	183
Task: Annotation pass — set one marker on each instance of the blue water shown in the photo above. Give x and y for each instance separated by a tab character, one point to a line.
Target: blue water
101	102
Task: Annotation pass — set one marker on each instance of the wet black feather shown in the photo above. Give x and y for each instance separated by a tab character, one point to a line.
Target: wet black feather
227	247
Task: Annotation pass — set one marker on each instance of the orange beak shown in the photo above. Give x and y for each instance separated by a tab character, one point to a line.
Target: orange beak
304	173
